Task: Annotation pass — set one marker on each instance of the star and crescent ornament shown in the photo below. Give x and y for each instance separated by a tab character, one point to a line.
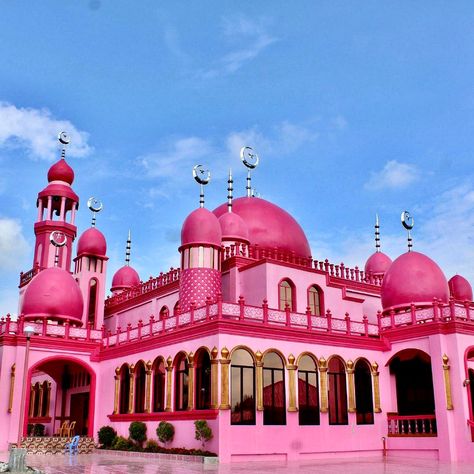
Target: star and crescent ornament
58	238
201	175
249	157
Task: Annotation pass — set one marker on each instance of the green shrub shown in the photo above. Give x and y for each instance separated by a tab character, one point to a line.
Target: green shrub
122	444
38	430
152	446
137	432
165	432
29	429
203	431
106	436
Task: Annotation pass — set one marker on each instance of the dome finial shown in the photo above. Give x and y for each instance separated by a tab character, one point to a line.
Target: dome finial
202	177
64	139
250	159
128	248
377	233
230	188
58	239
408	222
95	205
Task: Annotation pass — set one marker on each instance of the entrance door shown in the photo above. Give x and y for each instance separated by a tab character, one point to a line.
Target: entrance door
80	412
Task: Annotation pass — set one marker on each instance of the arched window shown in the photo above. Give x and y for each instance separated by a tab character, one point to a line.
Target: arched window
140	381
337	392
164	313
92	301
203	380
45	401
308	392
315	300
363	393
242	388
176	308
36	406
181	383
274	412
286	291
124	389
159	385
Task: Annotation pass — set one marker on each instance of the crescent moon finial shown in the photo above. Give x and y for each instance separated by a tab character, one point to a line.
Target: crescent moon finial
95	205
408	222
64	139
58	239
250	159
202	177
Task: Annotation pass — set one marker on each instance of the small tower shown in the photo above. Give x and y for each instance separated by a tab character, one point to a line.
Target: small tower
378	263
125	277
90	269
200	252
57	205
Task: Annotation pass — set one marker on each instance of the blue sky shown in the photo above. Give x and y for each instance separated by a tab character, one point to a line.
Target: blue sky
354	107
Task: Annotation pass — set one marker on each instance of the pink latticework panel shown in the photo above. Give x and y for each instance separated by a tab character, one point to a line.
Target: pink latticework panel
319	323
230	309
196	284
252	312
297	319
275	316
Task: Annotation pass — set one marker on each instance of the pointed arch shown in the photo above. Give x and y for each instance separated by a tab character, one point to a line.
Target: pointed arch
308	389
274	404
124	397
315	300
140	384
363	392
181	385
202	367
164	313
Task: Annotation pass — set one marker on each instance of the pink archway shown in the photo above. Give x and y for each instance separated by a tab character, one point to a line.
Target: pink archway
47	365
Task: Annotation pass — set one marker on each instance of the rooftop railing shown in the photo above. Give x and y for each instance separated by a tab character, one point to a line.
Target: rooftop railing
412	425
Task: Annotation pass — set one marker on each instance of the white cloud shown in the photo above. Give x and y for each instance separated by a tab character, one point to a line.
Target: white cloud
37	131
252	39
394	175
13	245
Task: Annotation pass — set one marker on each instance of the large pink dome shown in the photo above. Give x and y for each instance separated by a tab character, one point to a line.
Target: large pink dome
269	225
459	288
92	242
377	264
201	227
61	171
413	278
124	278
53	294
233	227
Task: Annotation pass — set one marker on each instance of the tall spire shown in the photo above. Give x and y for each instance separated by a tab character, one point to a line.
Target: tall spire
128	249
230	187
408	222
250	159
377	233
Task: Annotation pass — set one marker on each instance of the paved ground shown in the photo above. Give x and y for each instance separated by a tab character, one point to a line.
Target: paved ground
111	464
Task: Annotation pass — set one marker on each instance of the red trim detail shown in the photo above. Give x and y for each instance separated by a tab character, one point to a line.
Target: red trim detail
39	419
167	415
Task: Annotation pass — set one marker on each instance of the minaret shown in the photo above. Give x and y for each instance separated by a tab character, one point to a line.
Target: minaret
57	205
200	252
90	269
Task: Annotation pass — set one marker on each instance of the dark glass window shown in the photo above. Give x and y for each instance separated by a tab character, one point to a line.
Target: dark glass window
164	313
124	389
158	385
363	393
92	301
274	406
308	392
140	381
203	380
242	388
181	384
337	394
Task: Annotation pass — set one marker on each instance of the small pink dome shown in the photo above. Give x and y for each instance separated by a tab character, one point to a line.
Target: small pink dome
53	294
413	278
460	289
92	242
124	278
269	226
377	264
201	227
233	227
61	171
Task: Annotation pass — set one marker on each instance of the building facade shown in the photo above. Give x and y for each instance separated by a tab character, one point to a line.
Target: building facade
285	356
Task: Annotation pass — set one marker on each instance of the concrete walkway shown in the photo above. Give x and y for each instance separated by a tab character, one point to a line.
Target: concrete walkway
99	463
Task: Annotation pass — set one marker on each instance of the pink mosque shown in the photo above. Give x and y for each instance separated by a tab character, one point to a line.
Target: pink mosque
285	356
